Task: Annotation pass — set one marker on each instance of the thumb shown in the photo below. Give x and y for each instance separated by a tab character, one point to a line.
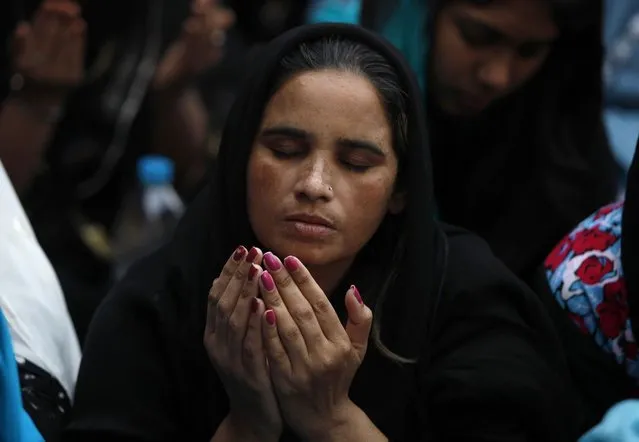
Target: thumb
360	320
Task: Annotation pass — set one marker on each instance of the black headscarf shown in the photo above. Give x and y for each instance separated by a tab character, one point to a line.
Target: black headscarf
534	165
418	267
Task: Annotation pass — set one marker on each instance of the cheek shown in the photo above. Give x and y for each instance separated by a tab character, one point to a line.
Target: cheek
527	69
452	58
368	203
261	186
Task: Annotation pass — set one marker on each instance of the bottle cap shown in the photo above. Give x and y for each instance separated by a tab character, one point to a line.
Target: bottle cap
155	170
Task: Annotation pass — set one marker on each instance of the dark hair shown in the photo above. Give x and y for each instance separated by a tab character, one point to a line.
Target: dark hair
350	56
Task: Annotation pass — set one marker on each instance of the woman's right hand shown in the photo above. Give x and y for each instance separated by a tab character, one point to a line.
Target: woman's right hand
233	340
48	53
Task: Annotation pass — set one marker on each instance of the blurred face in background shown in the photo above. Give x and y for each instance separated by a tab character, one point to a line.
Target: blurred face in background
483	52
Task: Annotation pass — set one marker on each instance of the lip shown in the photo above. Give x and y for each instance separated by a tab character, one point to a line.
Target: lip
311	219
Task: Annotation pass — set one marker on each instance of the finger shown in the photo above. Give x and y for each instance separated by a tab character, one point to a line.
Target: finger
253	354
220	18
228	271
289	333
68	50
219	285
19	40
44	25
228	299
47	23
324	312
211	312
238	321
200	6
360	320
279	363
296	304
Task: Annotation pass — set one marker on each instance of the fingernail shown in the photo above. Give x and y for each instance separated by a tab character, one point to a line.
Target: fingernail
270	317
252	272
357	295
291	263
239	253
272	262
254	305
251	254
267	281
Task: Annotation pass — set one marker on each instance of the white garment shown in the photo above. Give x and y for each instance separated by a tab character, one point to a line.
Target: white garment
31	297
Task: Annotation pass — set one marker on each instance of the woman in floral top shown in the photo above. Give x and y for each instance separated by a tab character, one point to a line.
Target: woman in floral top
591	275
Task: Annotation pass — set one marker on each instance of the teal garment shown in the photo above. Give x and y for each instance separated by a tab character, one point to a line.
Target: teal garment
405	28
15	423
334	11
621	424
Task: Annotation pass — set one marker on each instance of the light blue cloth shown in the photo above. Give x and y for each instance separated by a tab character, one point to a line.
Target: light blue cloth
621	75
621	424
15	423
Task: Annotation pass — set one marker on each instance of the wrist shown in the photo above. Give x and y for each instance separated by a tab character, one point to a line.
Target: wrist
250	431
350	424
47	112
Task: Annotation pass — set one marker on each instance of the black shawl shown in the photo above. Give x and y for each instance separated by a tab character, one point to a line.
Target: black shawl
489	364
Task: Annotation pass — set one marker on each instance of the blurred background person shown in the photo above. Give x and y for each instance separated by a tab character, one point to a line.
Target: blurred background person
46	349
86	88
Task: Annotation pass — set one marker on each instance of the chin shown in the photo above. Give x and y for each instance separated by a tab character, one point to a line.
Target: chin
310	254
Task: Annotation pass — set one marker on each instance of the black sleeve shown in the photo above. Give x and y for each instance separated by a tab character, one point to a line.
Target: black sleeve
125	389
497	372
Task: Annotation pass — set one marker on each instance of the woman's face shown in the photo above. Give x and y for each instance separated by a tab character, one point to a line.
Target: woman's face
321	173
483	53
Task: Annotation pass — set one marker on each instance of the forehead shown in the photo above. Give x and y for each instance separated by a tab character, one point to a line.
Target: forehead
520	20
329	101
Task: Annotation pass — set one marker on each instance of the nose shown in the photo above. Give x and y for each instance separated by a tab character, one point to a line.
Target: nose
313	183
496	74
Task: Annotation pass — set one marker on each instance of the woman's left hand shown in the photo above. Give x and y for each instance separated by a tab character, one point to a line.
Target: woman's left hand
199	47
312	357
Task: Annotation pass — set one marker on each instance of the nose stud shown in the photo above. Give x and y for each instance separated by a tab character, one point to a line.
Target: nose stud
330	188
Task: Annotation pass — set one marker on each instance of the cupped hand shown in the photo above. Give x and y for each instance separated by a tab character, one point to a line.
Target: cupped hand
199	47
233	340
48	53
312	357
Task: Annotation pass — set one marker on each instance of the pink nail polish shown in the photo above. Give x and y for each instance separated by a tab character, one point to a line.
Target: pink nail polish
251	255
239	253
272	262
267	281
270	317
291	263
357	295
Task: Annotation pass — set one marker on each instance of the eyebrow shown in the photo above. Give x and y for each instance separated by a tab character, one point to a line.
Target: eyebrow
285	131
300	134
465	20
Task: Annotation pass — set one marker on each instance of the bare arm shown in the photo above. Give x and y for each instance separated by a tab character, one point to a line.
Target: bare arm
180	131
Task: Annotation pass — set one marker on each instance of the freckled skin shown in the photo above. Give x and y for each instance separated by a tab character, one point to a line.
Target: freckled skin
488	71
328	106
